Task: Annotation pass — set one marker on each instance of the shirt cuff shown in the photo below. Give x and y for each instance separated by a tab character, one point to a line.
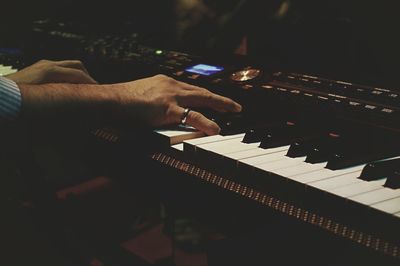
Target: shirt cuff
10	100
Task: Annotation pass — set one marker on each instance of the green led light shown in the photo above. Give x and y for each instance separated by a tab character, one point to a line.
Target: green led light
159	51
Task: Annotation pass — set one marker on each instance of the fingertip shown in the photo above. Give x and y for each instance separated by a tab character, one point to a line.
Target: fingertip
238	107
213	129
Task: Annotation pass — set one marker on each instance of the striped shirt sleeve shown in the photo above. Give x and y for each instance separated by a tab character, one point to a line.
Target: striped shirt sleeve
10	100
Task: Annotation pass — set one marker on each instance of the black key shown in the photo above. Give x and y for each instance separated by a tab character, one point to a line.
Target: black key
324	148
379	170
235	123
363	147
281	136
300	148
231	123
393	180
357	156
254	135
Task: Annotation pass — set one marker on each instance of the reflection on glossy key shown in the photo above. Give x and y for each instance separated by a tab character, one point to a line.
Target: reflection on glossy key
279	164
376	196
255	152
337	181
391	206
324	174
272	157
358	188
226	146
190	145
300	169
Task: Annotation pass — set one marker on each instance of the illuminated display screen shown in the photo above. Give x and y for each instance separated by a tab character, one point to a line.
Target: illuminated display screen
203	69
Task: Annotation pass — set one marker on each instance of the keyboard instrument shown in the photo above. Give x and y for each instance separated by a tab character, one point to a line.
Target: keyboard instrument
10	61
6	70
322	151
325	152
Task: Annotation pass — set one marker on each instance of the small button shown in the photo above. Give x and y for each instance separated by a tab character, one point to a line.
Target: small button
376	92
323	98
387	110
370	107
218	80
247	86
354	104
179	73
194	76
269	87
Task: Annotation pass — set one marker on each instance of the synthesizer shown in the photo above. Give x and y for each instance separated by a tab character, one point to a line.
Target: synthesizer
325	152
322	151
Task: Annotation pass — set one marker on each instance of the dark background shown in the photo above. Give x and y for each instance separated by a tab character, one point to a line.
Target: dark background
352	40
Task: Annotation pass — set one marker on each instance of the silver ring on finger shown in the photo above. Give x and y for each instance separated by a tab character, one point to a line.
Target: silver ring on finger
184	116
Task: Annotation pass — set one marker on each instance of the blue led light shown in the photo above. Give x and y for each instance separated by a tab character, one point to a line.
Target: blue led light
205	70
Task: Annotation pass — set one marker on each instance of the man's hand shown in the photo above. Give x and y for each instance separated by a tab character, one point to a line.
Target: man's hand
161	100
154	101
44	71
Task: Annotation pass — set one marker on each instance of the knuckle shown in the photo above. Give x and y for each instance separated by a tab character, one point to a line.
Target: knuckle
181	94
203	90
167	80
207	95
161	76
45	62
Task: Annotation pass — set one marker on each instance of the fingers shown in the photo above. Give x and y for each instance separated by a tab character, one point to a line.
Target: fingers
197	121
72	64
71	75
195	96
204	98
68	71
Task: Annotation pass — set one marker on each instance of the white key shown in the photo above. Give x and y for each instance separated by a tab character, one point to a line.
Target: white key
10	71
254	152
178	147
337	181
179	134
391	206
5	70
300	169
282	163
227	146
358	188
324	174
376	196
210	139
257	160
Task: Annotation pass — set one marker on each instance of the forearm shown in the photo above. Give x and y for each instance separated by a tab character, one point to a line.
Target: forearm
65	102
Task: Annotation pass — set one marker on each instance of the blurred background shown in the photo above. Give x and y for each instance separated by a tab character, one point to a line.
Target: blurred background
353	40
350	40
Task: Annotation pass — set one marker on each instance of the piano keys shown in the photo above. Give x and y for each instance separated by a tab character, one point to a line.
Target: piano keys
292	150
250	165
7	70
341	164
